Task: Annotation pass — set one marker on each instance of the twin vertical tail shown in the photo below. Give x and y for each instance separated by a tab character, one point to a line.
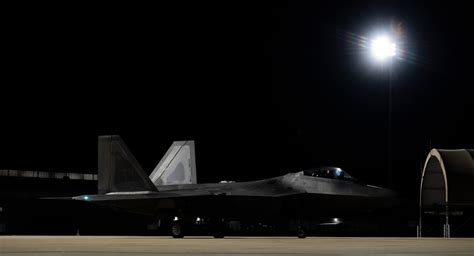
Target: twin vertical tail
177	166
119	171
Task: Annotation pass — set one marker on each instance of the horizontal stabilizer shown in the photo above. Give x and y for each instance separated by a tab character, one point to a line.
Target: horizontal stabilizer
56	198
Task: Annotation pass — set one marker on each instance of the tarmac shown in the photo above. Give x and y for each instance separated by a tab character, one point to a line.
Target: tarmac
124	246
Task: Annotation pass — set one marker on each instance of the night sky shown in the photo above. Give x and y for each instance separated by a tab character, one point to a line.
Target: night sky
263	88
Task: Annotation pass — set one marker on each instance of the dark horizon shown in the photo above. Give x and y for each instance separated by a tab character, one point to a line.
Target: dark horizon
263	89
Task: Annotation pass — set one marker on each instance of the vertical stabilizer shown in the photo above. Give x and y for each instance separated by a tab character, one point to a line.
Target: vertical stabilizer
118	170
178	165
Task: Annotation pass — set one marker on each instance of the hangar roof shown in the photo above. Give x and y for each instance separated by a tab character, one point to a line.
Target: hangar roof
448	178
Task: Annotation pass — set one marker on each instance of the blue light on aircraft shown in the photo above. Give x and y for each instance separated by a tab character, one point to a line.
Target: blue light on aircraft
86	198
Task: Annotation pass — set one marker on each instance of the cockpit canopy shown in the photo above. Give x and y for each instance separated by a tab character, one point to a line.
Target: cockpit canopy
328	172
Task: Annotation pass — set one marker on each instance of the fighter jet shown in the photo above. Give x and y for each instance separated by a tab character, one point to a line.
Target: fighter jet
325	196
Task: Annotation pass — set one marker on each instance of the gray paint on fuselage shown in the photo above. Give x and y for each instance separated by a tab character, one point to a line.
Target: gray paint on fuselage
292	183
286	185
293	194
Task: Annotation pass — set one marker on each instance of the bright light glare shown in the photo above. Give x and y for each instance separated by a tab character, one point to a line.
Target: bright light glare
383	48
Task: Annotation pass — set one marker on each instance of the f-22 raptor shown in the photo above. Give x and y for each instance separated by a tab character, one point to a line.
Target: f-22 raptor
320	196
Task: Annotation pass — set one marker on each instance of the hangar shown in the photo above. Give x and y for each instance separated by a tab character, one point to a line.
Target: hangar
20	210
447	193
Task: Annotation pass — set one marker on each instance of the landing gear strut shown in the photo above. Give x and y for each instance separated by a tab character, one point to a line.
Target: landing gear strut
177	229
218	228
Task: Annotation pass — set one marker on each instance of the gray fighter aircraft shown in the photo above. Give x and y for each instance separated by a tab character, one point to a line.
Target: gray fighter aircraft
320	196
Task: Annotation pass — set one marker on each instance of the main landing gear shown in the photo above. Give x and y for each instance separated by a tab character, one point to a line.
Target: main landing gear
301	232
217	227
177	229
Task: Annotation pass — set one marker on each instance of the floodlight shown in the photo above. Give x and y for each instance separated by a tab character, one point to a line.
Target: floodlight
383	48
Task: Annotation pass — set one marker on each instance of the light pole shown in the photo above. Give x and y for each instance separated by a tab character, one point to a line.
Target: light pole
383	49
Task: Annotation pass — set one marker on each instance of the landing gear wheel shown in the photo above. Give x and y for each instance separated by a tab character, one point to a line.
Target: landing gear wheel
218	234
301	233
177	230
219	228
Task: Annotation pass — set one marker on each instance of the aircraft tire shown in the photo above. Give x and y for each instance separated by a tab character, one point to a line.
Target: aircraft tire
218	228
177	230
218	234
301	233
